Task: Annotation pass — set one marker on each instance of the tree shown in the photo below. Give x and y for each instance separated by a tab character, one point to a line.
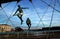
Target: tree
17	29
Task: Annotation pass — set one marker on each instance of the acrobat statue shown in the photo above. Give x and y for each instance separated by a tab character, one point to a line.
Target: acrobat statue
28	22
19	14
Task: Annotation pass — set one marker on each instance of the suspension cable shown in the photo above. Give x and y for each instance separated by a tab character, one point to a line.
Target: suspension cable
5	6
7	16
12	12
52	14
51	19
37	13
50	5
45	11
58	2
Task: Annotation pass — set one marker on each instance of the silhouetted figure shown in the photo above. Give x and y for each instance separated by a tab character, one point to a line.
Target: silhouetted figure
20	14
28	22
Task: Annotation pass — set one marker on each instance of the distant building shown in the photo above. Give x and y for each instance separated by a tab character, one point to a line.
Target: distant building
5	28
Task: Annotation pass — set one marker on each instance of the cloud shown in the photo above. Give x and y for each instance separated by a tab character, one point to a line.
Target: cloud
25	15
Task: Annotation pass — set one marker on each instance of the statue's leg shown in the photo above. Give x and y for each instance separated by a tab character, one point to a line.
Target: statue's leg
21	20
29	26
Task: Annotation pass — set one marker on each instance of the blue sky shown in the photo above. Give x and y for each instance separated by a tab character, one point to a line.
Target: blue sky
37	7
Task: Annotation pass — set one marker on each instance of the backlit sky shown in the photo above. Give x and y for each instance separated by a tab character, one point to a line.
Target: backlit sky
37	7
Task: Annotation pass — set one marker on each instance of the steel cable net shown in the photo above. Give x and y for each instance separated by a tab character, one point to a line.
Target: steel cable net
43	1
42	17
5	18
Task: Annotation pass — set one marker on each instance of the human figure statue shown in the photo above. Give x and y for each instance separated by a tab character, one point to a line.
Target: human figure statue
19	14
28	22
